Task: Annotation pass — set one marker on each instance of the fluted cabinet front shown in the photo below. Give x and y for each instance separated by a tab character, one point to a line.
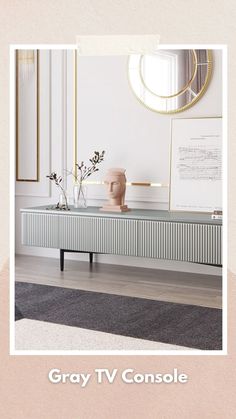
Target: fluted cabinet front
183	241
40	230
97	234
199	243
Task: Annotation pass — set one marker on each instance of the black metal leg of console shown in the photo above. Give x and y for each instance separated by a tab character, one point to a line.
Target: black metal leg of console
62	259
62	252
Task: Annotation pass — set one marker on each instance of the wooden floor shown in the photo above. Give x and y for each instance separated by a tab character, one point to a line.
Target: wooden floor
163	285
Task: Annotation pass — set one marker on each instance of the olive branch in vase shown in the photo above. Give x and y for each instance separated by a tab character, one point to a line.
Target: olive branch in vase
58	182
84	171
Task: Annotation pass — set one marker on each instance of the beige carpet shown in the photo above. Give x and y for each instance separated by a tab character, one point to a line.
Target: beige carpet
38	335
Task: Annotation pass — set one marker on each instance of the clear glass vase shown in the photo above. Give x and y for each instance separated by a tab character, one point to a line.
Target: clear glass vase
80	195
63	201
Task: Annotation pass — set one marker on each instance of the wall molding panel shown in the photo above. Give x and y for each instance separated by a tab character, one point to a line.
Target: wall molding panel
64	116
41	188
27	115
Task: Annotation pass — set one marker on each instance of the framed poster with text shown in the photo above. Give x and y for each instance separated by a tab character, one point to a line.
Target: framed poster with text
196	165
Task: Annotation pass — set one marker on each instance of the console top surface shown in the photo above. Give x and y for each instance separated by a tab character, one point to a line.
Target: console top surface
135	214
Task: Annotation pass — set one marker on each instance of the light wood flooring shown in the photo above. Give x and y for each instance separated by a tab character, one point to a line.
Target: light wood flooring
163	285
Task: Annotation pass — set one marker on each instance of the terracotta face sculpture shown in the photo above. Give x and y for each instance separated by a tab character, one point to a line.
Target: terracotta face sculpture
115	182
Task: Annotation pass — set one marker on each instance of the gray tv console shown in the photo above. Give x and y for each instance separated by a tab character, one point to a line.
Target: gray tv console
180	236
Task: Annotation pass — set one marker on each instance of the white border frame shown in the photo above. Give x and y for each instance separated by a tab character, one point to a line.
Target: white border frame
190	352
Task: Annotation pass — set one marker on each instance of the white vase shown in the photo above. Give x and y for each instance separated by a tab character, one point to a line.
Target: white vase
80	195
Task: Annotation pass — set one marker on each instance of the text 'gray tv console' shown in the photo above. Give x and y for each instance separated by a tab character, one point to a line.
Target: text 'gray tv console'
155	234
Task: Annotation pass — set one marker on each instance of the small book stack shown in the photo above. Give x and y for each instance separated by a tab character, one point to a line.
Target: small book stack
217	215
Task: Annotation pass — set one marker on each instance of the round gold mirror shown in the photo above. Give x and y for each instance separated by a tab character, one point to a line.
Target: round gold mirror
170	81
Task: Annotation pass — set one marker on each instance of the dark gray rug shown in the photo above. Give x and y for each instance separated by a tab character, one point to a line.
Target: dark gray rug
18	314
177	324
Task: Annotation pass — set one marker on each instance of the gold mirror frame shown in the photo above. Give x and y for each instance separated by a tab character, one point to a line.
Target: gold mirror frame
184	89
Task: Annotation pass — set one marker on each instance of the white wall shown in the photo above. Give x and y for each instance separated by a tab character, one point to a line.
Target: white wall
110	118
